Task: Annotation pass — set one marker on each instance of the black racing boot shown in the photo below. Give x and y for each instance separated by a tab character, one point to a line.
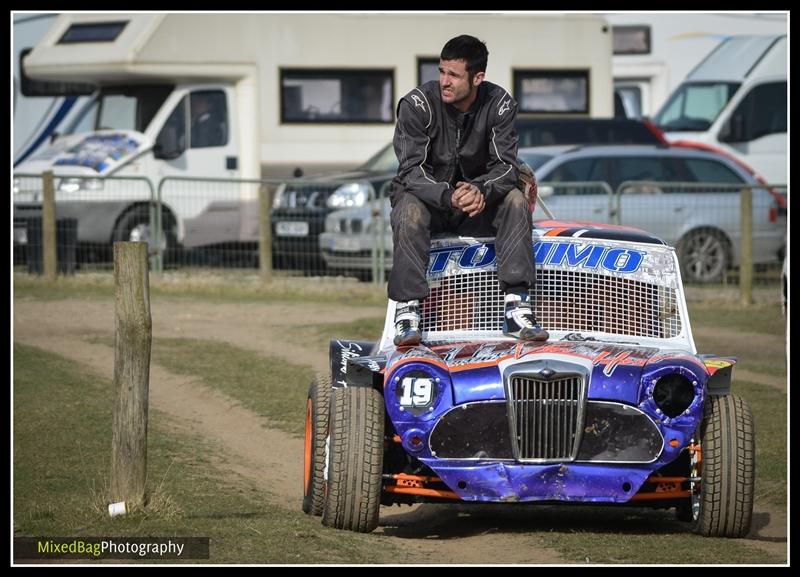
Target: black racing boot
406	324
518	320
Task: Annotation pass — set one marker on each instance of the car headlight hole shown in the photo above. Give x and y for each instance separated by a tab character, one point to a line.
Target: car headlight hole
673	393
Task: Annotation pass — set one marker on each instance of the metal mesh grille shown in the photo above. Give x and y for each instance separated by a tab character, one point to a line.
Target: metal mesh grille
464	302
564	299
546	416
579	301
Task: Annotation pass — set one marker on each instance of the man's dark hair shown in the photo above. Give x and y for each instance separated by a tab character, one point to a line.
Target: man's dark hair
467	48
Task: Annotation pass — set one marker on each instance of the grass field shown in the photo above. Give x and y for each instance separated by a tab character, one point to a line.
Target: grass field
62	424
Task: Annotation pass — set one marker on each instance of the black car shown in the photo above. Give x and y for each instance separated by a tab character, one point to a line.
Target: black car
554	131
300	206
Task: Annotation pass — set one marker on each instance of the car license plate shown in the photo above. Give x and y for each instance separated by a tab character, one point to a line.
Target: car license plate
291	228
345	244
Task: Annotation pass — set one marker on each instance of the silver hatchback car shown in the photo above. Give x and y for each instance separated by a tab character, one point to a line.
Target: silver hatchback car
688	197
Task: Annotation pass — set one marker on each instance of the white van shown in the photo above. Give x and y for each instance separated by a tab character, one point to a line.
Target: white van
736	99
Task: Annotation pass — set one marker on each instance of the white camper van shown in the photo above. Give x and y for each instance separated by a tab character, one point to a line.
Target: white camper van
38	113
736	99
275	91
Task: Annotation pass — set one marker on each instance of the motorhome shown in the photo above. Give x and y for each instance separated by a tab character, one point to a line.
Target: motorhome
280	91
654	52
736	99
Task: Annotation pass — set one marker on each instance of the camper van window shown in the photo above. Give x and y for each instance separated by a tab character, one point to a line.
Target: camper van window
552	90
150	99
118	111
209	125
121	108
337	96
171	141
86	119
93	32
695	107
427	70
763	111
631	39
631	99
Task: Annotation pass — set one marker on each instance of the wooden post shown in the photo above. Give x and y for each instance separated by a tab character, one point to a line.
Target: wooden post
131	373
265	233
746	260
49	263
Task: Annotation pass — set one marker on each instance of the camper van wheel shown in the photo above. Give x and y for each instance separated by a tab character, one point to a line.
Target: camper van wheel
704	255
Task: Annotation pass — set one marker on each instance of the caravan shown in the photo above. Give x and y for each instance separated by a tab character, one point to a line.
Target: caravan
736	99
282	90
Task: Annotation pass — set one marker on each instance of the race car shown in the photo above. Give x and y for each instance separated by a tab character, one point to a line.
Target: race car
617	407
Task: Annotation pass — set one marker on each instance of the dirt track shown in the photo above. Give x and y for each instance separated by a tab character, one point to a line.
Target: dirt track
440	534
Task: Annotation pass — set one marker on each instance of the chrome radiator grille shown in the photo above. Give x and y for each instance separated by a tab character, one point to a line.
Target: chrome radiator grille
546	415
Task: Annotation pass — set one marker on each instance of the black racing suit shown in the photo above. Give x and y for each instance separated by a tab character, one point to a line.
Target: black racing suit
438	146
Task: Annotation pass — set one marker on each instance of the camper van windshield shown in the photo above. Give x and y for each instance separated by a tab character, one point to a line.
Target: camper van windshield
121	108
695	107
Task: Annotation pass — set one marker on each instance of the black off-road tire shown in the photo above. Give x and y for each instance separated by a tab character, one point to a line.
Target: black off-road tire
727	468
316	437
356	460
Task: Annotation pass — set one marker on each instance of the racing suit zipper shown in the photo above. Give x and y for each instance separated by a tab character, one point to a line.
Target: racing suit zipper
456	162
457	167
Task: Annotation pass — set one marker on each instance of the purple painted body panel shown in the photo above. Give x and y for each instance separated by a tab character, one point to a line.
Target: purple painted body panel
469	374
514	482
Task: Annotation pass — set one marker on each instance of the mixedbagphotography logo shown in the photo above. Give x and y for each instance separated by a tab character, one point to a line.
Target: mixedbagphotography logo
111	548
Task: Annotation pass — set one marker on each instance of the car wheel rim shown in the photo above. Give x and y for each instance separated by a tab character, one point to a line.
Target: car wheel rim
705	257
141	233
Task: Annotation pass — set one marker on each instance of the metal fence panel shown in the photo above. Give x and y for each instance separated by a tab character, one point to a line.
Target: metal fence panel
101	210
342	228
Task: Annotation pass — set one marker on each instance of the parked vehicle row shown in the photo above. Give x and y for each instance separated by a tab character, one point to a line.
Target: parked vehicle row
300	207
328	222
700	218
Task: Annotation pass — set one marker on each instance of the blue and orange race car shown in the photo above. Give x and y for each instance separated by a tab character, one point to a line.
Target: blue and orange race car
616	407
